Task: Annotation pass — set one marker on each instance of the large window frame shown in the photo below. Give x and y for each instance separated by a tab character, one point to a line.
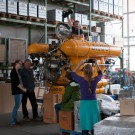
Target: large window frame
128	34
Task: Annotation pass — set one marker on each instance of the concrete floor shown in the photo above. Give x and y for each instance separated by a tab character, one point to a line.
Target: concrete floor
26	128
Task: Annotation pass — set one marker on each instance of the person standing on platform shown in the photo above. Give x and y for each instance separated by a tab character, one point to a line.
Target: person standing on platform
77	32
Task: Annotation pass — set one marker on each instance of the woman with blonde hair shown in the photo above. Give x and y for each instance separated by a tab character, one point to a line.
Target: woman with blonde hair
89	109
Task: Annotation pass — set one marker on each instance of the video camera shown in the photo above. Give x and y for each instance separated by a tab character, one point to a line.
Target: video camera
67	13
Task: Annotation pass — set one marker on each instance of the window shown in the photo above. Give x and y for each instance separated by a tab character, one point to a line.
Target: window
131	5
117	28
132	42
126	41
132	24
129	58
132	58
125	26
125	57
124	6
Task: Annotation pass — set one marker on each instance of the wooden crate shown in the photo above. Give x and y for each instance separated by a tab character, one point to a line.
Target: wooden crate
2	53
59	98
17	50
49	114
6	93
66	120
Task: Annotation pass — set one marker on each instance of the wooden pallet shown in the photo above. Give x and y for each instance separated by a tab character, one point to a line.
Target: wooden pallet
99	12
53	22
85	27
20	17
95	11
2	14
118	17
100	18
12	16
42	20
33	19
102	13
109	15
63	132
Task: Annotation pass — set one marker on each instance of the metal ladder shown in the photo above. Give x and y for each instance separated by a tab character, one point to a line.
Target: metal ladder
39	97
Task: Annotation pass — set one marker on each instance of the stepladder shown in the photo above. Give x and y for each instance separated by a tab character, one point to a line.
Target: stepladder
40	92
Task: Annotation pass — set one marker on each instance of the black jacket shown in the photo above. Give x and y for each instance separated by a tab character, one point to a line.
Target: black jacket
28	79
15	82
76	31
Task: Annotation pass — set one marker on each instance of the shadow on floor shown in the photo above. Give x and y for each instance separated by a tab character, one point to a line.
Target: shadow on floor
26	128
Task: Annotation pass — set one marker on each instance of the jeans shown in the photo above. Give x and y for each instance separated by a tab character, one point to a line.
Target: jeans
33	101
86	132
57	109
17	100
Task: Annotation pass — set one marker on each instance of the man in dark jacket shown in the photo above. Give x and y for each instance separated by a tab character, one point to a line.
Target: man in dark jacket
28	83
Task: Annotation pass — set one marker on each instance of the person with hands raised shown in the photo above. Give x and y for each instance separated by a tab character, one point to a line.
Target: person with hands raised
77	32
89	109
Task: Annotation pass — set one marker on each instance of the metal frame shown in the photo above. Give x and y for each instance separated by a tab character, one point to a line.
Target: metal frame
45	25
72	2
128	37
8	39
128	33
21	21
45	28
5	57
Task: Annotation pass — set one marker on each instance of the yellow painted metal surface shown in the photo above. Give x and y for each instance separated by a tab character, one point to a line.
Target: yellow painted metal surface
102	83
62	81
74	61
38	48
78	50
100	90
77	38
82	48
57	89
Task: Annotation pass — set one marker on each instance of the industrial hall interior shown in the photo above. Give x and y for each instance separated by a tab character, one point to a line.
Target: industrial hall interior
67	67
